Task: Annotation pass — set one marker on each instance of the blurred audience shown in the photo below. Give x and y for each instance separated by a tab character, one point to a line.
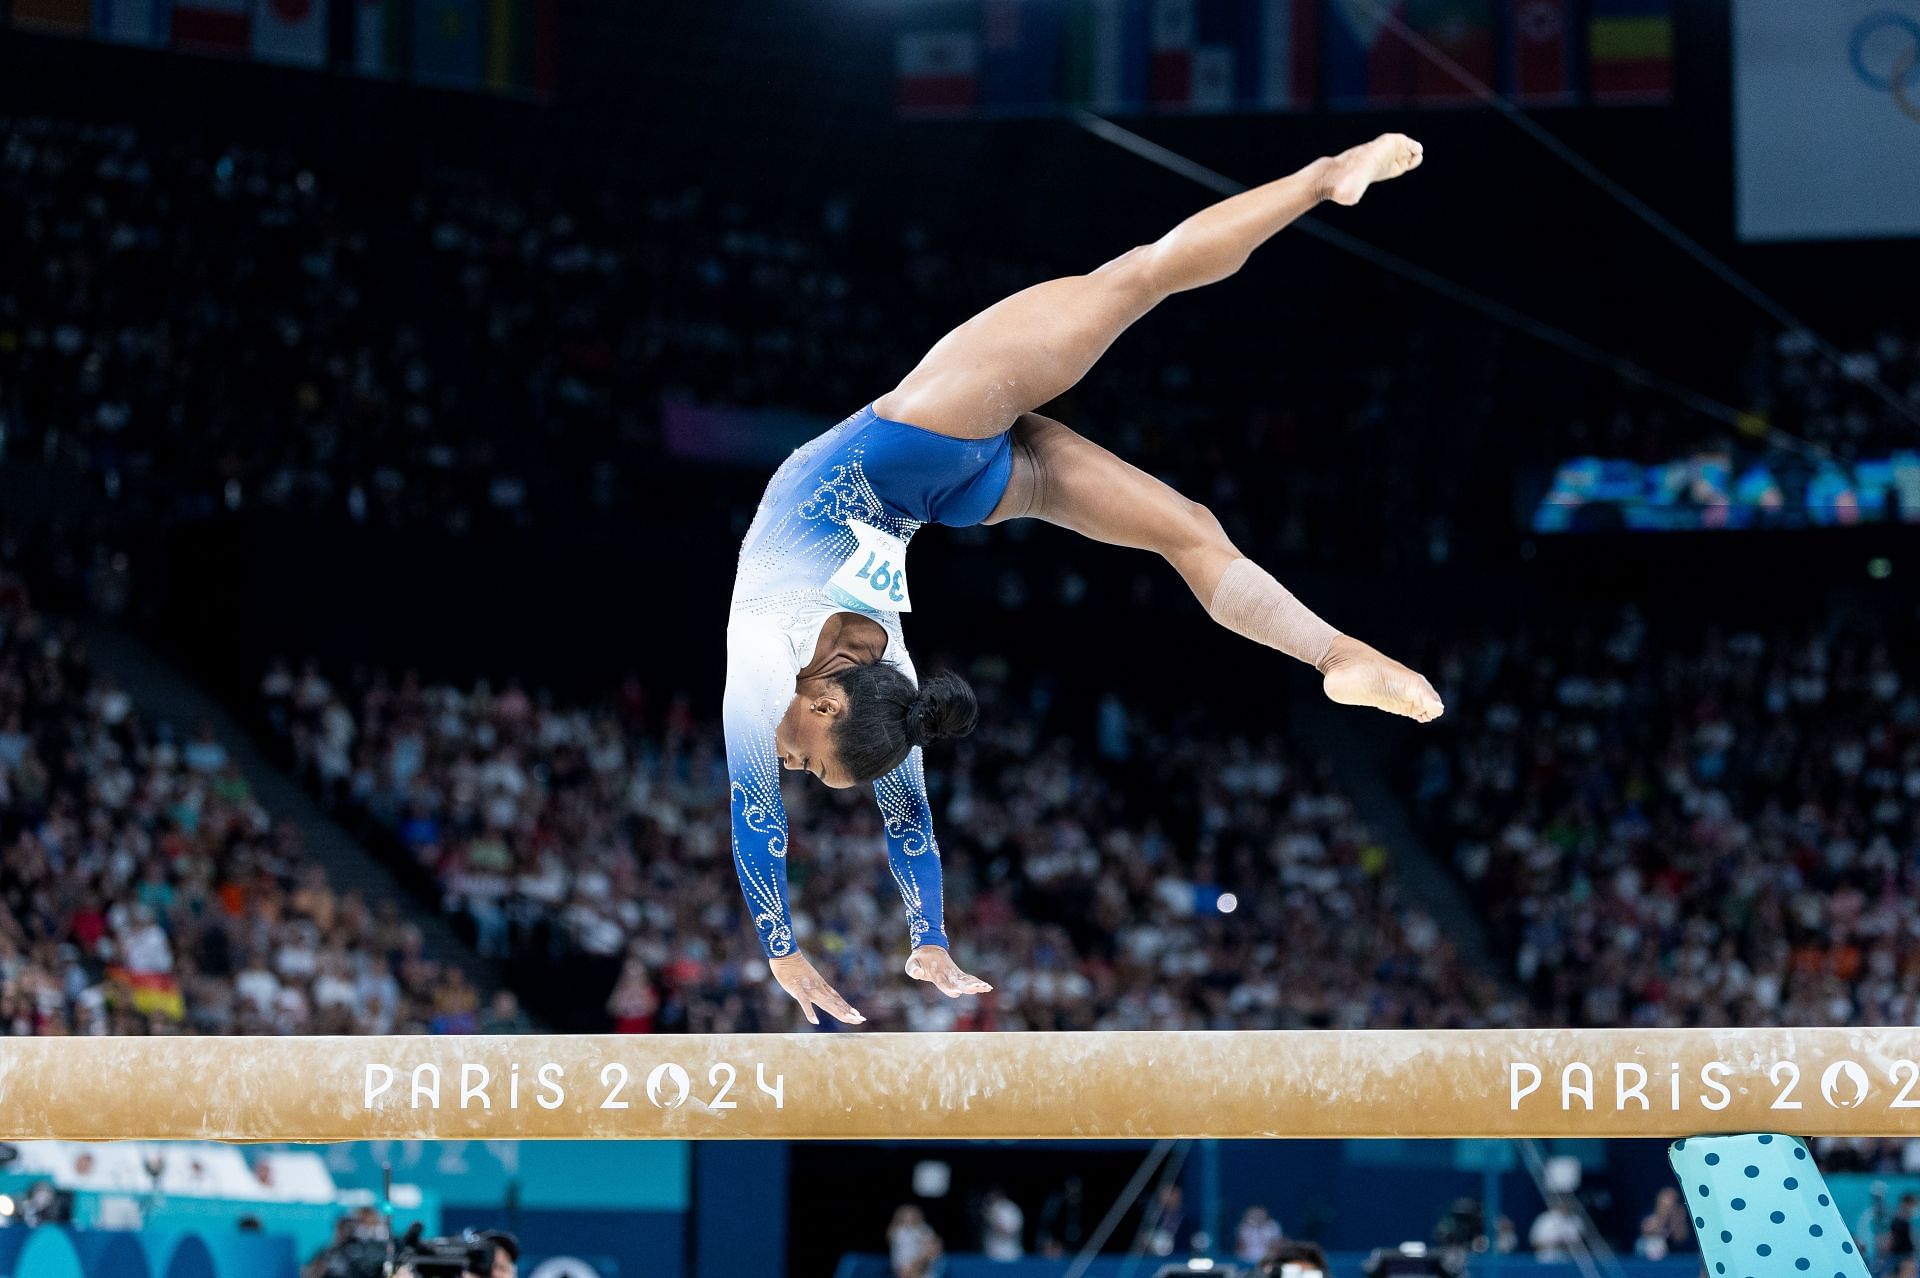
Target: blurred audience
205	330
1897	1247
1180	881
912	1246
1257	1234
1671	831
1002	1227
145	890
1665	1229
1556	1233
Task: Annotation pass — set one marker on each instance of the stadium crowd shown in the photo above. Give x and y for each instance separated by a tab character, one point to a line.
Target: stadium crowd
1154	878
1785	384
145	890
206	330
222	329
1665	829
213	329
224	320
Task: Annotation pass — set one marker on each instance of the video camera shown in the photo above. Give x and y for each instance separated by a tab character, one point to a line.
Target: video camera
456	1257
1412	1258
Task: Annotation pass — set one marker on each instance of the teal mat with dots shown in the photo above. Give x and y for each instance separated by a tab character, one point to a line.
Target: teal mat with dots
1762	1210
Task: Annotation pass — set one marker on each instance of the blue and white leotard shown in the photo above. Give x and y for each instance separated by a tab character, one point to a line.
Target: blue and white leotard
830	536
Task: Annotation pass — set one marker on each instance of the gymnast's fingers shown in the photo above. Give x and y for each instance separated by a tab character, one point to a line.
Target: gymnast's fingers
828	1000
806	1005
798	978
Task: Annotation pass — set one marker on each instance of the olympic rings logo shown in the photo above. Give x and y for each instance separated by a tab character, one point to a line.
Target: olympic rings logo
1885	52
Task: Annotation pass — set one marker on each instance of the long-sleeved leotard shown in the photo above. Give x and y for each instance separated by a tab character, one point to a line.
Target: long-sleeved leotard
830	536
753	706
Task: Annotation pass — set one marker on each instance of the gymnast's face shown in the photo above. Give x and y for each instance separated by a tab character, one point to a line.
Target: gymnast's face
803	738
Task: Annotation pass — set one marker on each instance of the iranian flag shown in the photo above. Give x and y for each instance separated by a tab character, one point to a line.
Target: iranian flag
291	31
937	58
212	26
1190	62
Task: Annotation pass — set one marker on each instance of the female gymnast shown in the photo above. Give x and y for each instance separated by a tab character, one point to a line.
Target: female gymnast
818	677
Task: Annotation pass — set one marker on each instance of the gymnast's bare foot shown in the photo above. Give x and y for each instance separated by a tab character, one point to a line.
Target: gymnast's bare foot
932	964
1354	170
1359	675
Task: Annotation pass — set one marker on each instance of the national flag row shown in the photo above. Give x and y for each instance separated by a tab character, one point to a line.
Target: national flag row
506	46
965	57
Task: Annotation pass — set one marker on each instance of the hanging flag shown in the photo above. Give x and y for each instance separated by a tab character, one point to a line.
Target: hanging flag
1630	50
147	22
517	47
1460	32
1020	54
1107	55
546	45
60	17
1368	63
212	26
1540	52
1170	54
447	43
937	57
1192	59
291	31
1280	55
1219	28
382	36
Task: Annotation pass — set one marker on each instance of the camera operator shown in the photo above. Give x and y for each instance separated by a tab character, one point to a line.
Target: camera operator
490	1254
358	1248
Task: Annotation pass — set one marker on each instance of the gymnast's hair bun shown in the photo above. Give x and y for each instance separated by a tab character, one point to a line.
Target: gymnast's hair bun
944	707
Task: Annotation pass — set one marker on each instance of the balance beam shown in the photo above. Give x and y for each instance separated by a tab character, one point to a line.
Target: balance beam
860	1086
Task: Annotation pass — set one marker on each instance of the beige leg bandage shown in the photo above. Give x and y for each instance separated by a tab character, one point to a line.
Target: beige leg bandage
1248	601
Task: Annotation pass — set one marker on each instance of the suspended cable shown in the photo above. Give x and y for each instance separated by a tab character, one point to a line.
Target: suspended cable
1638	207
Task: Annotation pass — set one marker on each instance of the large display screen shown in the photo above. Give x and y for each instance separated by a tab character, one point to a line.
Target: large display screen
1718	490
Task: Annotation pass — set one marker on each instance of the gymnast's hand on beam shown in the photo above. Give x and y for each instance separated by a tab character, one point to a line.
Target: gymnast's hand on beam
932	964
810	990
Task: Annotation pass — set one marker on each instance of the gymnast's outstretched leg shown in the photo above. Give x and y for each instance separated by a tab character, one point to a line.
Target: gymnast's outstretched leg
1027	350
1066	479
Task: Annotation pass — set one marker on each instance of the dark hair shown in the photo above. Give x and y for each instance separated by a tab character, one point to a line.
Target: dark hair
1294	1251
887	716
498	1240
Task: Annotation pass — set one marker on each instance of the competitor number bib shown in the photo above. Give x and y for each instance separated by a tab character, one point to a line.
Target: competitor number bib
874	578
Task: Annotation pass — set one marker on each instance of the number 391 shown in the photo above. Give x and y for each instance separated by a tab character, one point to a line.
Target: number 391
883	577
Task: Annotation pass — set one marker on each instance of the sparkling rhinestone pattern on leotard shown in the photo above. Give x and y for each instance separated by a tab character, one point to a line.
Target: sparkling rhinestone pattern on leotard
798	539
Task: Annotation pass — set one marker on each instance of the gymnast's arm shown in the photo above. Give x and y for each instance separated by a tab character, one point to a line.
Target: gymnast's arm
759	684
913	855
